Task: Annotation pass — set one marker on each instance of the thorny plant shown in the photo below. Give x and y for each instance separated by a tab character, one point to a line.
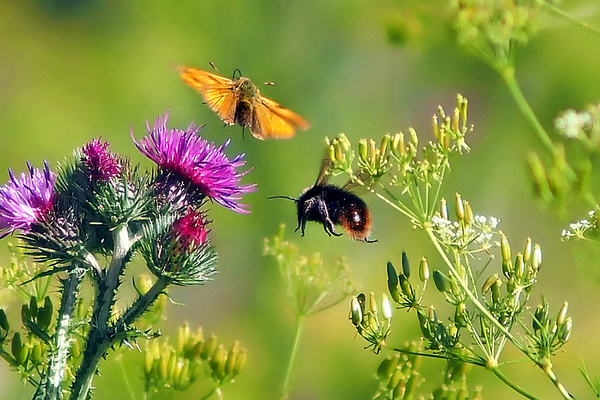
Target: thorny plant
85	225
490	298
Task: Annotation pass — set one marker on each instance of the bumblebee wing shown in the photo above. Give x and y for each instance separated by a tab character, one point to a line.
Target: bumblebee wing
272	121
364	178
323	175
218	92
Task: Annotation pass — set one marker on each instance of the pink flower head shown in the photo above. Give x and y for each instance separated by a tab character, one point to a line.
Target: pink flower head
203	164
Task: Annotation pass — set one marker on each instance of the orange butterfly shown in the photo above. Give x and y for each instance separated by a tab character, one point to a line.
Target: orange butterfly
239	100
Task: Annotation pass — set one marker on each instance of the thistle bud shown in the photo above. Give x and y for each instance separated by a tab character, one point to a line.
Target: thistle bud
460	210
440	281
424	270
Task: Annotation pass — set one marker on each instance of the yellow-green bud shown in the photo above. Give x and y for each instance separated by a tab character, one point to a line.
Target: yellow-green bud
413	136
183	335
506	255
240	361
362	149
36	352
396	378
75	349
487	285
148	360
4	325
386	307
384	144
405	286
562	314
424	270
440	281
565	330
436	128
217	363
496	293
468	212
209	347
372	303
460	315
387	367
16	345
519	267
432	314
339	155
355	311
460	209
182	374
405	265
527	251
536	261
232	356
444	209
393	282
331	152
143	283
44	315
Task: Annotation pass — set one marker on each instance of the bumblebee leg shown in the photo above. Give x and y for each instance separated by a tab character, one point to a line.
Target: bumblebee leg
370	241
329	228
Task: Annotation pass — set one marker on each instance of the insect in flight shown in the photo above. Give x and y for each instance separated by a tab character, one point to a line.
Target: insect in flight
238	100
332	205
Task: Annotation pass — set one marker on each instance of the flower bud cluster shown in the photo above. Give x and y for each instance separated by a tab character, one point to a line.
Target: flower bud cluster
399	376
400	287
550	333
180	365
372	324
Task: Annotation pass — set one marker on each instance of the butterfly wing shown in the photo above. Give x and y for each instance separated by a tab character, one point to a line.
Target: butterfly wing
272	121
218	92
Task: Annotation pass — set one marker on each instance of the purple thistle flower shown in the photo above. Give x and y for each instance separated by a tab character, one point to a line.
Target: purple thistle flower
26	200
192	158
190	230
102	164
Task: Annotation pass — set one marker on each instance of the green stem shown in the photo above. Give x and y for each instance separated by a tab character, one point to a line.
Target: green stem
51	385
288	373
209	394
126	378
510	384
553	8
508	74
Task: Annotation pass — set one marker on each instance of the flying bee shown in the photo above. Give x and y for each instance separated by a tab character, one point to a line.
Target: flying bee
332	205
238	100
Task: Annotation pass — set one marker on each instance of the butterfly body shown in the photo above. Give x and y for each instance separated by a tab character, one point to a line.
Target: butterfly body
240	101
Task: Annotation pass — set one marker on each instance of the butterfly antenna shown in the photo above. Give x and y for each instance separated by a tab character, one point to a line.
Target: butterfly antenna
212	64
238	72
283	197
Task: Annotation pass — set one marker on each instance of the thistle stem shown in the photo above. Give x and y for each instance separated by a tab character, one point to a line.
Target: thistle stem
288	373
50	387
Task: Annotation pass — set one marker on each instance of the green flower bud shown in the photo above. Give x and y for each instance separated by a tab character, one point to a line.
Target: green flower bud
460	209
44	316
413	136
496	293
527	251
209	347
424	270
36	353
456	120
386	307
361	301
182	374
487	285
25	315
393	282
540	318
372	303
460	315
387	367
405	265
536	261
396	378
183	335
436	128
232	355
4	325
443	209
519	267
562	314
240	361
16	345
355	311
433	314
441	282
506	256
148	361
406	287
163	366
468	212
217	363
362	150
565	330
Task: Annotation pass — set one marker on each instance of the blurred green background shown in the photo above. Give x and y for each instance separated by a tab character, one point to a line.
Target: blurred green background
73	70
